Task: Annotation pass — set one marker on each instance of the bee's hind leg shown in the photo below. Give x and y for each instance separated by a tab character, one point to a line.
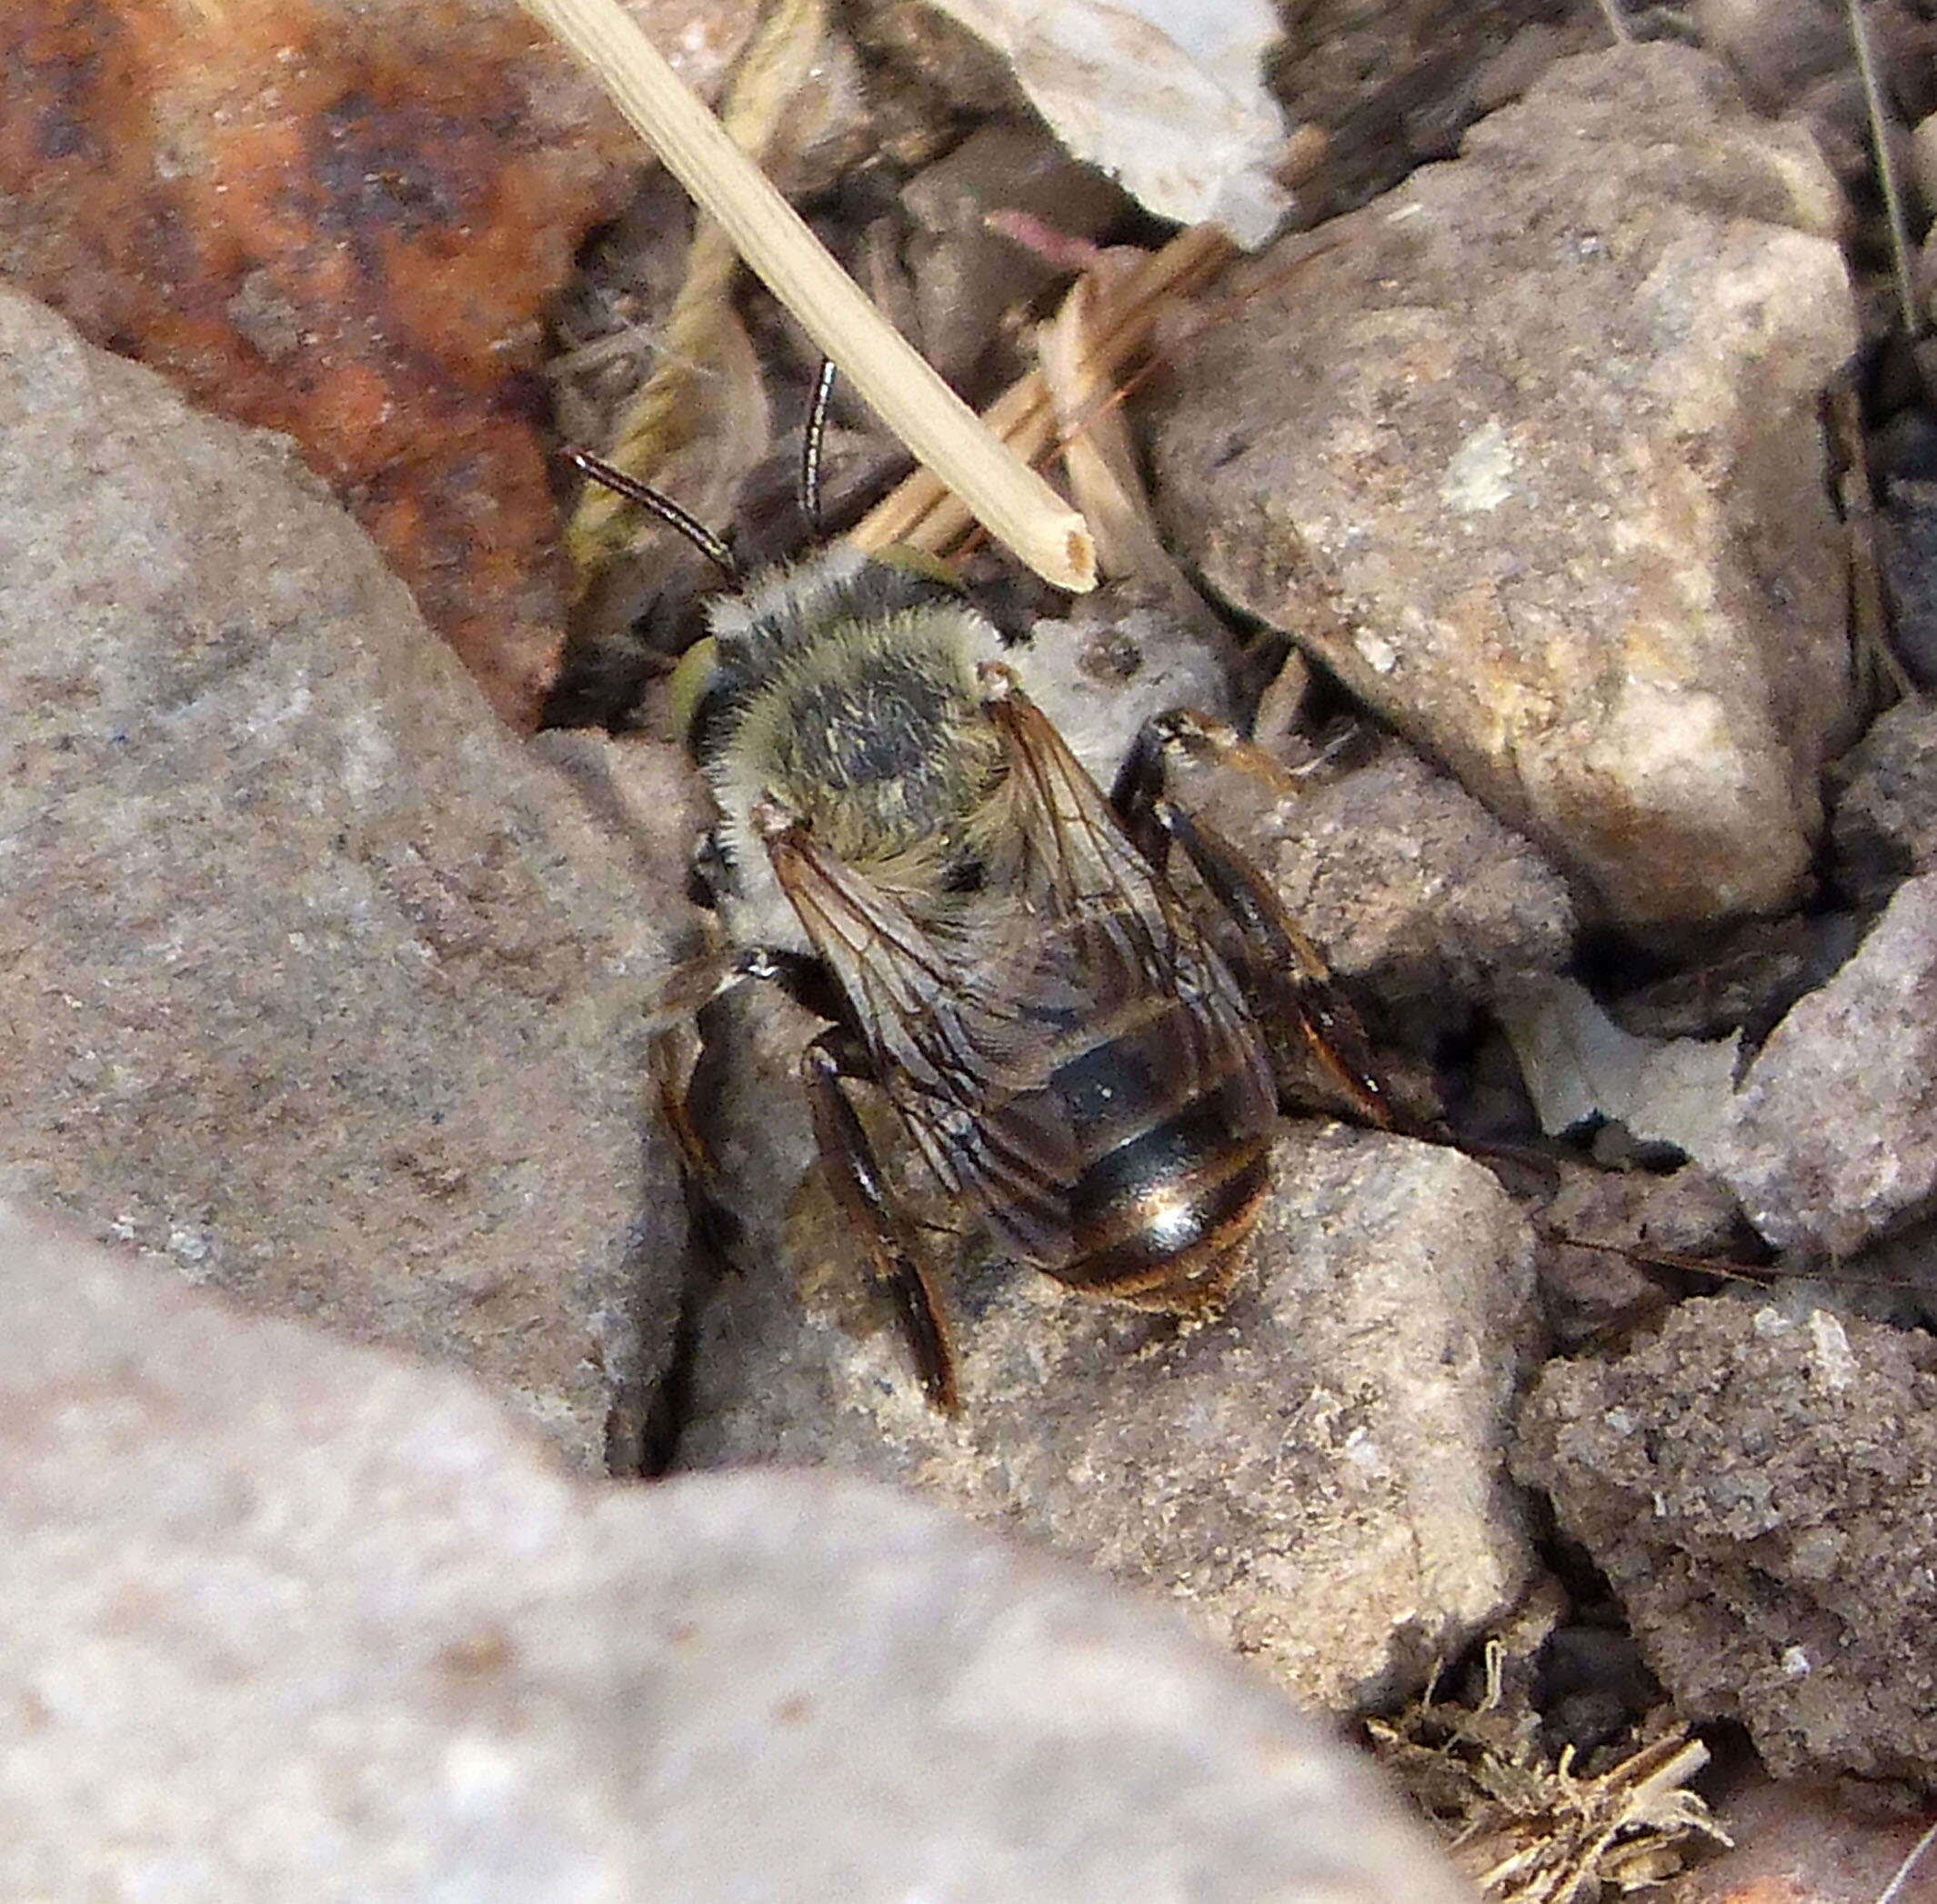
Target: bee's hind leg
1278	954
1325	1016
854	1174
1145	775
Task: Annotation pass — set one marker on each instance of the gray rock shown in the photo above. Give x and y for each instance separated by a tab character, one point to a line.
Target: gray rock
1391	92
1795	61
1411	886
1832	1137
1529	456
1122	656
281	1617
1779	52
1757	1484
1316	1475
948	71
965	278
1883	803
1746	980
1923	159
1607	1238
320	988
1908	522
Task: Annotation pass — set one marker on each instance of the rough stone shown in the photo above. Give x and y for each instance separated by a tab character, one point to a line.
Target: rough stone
1744	980
281	1617
318	988
1809	1841
1923	159
1411	886
1315	1476
1832	1137
1392	89
1528	455
1120	657
1794	59
965	278
1580	1069
1908	521
1883	803
1605	1236
1779	52
1760	1487
938	72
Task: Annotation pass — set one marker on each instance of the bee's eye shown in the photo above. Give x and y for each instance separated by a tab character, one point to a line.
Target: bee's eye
694	683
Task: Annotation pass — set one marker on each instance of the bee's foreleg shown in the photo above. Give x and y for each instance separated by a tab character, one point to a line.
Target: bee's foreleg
671	1052
1280	954
854	1173
696	983
673	1044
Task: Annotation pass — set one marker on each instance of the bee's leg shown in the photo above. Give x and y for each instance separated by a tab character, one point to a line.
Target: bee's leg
854	1173
1141	780
700	980
1139	786
672	1043
853	1170
1281	952
1278	954
670	1059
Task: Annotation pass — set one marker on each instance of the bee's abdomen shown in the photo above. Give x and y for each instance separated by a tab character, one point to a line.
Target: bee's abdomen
1161	1219
1161	1123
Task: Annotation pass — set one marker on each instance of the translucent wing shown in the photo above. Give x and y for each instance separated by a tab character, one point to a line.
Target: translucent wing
1064	1012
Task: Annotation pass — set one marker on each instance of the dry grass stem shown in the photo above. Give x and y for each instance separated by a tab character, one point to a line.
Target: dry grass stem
1098	456
1893	1891
706	384
1881	677
1617	23
1529	1830
1886	171
922	514
1008	497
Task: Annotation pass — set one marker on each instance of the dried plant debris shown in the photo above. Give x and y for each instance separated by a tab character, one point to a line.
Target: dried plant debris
1579	1065
705	387
1014	503
1177	111
1526	1826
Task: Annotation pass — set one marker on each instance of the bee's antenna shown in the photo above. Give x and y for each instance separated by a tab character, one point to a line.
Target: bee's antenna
713	547
810	442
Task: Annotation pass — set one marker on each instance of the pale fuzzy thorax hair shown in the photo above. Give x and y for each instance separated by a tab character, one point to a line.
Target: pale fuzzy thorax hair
865	724
789	594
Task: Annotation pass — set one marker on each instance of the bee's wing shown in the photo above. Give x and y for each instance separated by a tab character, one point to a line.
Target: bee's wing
1124	1000
1083	877
925	1005
1075	947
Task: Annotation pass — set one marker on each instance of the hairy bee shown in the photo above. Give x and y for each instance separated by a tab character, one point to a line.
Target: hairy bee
1011	962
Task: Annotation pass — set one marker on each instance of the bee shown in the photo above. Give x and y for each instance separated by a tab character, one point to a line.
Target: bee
905	843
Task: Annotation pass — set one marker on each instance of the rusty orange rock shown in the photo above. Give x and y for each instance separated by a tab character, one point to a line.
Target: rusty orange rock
344	221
